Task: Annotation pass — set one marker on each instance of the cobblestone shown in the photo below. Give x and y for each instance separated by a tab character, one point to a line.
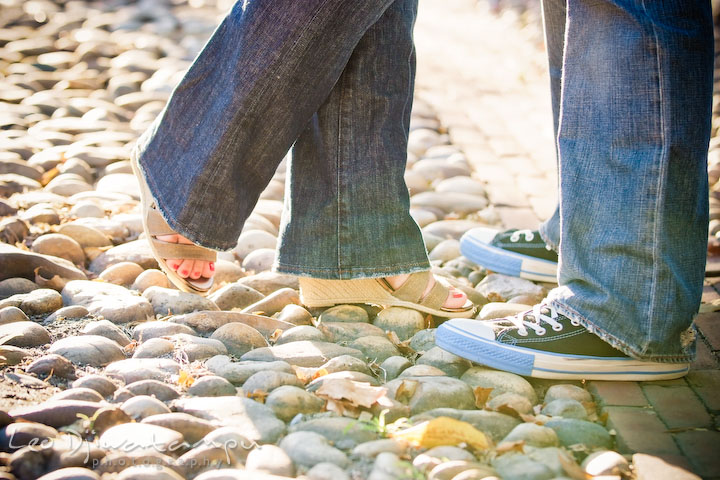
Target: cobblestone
678	407
640	430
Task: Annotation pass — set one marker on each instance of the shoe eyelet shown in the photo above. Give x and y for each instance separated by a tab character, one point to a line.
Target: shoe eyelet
541	332
574	323
557	328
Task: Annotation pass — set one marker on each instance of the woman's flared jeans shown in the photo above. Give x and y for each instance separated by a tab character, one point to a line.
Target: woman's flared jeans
631	86
333	79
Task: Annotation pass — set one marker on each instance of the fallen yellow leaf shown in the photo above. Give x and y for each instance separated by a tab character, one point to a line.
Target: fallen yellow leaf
185	379
481	396
443	431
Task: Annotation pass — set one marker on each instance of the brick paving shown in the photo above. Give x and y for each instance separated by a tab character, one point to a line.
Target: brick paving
486	77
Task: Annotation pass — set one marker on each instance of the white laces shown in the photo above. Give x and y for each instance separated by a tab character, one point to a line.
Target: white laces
534	319
529	235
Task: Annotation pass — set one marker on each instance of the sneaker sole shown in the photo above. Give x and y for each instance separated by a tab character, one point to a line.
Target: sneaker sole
538	364
508	262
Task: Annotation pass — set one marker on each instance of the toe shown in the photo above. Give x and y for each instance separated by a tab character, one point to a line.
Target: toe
197	269
455	299
173	238
173	263
209	269
185	268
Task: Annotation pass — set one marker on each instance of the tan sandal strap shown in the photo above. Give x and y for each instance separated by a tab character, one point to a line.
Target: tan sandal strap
184	251
157	225
436	296
412	289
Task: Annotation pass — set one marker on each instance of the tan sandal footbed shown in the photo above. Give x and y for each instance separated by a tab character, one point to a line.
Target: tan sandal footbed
318	292
155	225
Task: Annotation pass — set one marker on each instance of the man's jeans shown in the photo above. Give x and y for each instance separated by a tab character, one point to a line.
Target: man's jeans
334	78
632	119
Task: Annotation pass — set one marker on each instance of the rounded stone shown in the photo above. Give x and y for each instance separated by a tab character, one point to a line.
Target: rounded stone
562	390
269	380
154	347
51	365
376	349
71	473
166	300
252	240
572	431
211	386
24	334
393	366
534	435
84	394
92	350
129	437
239	338
286	401
150	278
107	329
344	313
123	273
260	260
143	406
301	332
499	381
510	401
235	296
404	322
149	472
270	459
100	384
59	245
12	315
566	408
310	448
295	314
192	428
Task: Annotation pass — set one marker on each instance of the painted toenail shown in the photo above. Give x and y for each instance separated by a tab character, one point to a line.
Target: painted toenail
211	265
185	272
457	295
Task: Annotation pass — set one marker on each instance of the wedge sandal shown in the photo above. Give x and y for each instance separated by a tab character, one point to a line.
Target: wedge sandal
155	225
319	292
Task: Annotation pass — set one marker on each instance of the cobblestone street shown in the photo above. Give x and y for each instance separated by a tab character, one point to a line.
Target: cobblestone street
250	381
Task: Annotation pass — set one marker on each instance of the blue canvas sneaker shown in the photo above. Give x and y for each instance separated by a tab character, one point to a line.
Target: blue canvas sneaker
520	253
545	344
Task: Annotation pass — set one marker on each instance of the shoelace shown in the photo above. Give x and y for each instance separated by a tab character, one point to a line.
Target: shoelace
529	235
534	318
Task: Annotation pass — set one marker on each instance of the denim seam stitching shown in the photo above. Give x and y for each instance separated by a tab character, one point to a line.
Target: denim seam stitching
661	175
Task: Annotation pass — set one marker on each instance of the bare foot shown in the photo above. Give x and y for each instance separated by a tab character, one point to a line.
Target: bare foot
455	298
192	269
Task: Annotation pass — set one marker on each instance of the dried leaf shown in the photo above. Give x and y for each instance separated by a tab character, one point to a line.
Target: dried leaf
185	379
48	176
320	372
528	418
356	393
304	374
517	446
406	390
275	335
443	431
130	347
508	410
46	279
571	467
258	395
481	396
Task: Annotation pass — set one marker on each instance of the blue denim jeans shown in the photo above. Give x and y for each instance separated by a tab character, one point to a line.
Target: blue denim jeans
632	96
332	79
